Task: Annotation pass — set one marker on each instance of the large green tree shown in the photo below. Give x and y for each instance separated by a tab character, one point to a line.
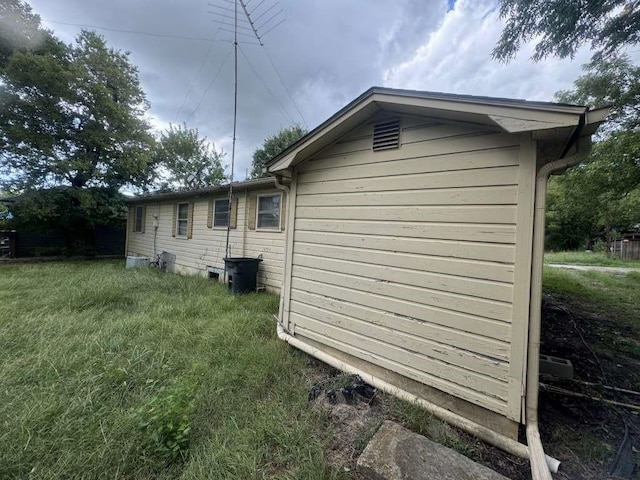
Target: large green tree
601	196
185	160
74	117
560	27
272	146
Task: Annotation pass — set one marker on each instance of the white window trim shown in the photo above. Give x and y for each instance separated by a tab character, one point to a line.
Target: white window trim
135	219
213	220
263	229
186	235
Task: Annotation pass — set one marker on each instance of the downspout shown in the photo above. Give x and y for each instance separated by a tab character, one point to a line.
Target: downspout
288	231
539	467
280	185
483	433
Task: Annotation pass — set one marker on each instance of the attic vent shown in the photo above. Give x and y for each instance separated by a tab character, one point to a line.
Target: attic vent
386	135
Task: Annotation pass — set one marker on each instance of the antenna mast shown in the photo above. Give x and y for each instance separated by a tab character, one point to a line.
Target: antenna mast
249	25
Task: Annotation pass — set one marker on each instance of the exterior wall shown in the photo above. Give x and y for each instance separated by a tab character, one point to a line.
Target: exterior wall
206	247
406	258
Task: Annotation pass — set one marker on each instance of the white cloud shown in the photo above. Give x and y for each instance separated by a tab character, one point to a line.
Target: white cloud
456	58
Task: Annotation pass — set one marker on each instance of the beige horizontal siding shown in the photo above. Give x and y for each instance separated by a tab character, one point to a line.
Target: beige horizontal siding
401	308
497	176
207	245
504	195
465	249
426	263
405	257
416	367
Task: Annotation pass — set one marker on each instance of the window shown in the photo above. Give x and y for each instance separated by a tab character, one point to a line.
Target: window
268	212
138	224
182	220
221	212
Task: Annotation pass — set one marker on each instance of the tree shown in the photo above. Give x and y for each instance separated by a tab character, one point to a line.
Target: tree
72	213
21	30
609	82
272	146
74	117
601	196
560	27
186	160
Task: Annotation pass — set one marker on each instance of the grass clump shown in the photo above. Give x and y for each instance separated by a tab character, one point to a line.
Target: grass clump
114	373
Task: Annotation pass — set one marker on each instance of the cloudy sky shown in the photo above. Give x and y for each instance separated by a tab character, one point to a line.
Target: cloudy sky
325	54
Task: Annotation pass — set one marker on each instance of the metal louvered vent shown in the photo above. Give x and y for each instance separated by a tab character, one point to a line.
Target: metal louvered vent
386	135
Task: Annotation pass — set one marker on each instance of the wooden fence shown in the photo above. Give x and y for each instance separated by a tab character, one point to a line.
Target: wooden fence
628	247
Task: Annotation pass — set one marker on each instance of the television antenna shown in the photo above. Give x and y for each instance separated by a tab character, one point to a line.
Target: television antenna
252	25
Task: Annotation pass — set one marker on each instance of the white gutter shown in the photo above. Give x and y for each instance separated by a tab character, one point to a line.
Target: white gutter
505	443
540	467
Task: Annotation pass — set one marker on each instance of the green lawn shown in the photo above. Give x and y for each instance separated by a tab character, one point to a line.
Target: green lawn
114	373
618	296
584	258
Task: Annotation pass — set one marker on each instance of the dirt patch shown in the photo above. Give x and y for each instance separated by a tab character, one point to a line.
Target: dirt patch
586	434
353	421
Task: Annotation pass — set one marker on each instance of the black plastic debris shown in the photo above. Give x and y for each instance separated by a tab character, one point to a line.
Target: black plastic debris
331	396
350	387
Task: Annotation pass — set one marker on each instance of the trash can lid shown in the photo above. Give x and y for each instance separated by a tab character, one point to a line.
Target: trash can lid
242	259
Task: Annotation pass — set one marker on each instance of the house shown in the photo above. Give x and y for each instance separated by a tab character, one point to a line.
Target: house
191	228
414	249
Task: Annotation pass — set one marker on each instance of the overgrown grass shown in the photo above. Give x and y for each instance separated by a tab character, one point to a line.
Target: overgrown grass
114	373
617	295
584	258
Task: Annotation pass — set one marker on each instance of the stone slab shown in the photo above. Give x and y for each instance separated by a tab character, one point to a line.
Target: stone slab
395	453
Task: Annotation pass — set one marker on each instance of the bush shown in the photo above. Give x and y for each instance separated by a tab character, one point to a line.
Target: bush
165	422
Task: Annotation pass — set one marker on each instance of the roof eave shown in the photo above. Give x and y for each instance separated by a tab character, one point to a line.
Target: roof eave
508	116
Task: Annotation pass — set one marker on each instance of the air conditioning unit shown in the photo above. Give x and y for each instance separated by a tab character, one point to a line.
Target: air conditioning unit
137	262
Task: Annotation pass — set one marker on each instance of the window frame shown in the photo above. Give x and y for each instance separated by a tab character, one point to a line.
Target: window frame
141	209
213	220
178	220
269	229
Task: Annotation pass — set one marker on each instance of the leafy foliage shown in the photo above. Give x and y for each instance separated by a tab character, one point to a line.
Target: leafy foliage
272	146
74	213
188	160
564	25
20	30
600	198
611	82
165	421
74	116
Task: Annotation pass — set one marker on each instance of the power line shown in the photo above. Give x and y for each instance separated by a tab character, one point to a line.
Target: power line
135	32
266	87
204	94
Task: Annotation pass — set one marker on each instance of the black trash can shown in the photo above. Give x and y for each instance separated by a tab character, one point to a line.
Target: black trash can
242	273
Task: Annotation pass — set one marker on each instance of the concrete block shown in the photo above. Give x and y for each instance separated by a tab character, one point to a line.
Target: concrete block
395	453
